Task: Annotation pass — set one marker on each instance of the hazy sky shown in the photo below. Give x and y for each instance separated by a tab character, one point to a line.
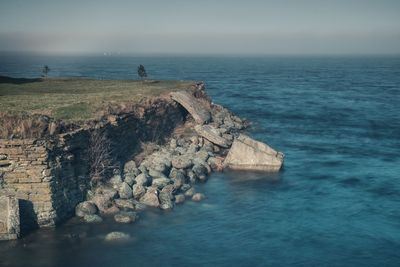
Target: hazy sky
203	26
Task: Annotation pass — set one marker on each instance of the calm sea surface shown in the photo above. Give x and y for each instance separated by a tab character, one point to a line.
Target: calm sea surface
336	203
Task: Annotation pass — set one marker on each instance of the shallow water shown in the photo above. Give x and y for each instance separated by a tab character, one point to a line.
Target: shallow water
336	203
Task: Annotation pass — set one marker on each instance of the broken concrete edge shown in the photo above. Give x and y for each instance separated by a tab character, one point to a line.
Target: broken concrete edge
10	218
199	112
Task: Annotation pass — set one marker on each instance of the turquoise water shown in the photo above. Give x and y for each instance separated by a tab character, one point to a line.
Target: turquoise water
336	203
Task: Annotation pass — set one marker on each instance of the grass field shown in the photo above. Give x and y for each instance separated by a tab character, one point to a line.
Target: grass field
75	99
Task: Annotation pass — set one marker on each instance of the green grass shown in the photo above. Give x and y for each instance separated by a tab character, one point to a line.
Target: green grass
74	99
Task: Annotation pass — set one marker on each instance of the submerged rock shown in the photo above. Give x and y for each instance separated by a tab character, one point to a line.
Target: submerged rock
85	208
125	217
117	236
248	154
198	197
92	218
179	199
190	192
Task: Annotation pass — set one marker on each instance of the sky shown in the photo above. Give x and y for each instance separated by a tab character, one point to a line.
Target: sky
201	27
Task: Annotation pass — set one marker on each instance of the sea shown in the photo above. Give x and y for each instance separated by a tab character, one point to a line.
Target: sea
336	202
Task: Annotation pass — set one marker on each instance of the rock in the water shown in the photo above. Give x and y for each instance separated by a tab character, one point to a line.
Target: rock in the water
103	199
165	201
198	197
181	162
142	179
199	112
125	217
117	236
150	198
125	191
138	191
216	163
190	192
248	154
125	204
85	208
180	198
92	218
199	170
212	134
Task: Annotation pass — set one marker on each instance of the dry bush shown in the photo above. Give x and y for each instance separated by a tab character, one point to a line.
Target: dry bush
23	126
100	155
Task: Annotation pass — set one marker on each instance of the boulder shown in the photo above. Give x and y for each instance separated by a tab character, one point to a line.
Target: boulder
116	181
125	191
161	182
197	109
165	201
85	208
156	174
198	197
117	236
179	199
248	154
181	162
200	170
190	192
150	198
142	179
138	191
212	134
125	217
130	167
125	204
129	179
92	218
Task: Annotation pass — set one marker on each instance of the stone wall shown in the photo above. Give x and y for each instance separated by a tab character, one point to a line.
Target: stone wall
50	175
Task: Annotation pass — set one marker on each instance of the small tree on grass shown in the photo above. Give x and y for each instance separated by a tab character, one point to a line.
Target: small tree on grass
141	71
45	70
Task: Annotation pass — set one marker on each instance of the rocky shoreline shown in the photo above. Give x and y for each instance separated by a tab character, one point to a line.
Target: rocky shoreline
166	176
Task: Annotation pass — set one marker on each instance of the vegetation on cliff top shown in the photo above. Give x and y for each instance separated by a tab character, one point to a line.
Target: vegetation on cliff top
77	99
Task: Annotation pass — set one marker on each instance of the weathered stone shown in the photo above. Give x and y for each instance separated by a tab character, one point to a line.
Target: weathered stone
165	201
116	181
179	199
192	176
161	182
124	204
190	192
170	189
150	198
156	174
199	170
85	208
125	217
198	197
138	191
172	143
211	134
129	179
130	167
117	236
125	191
9	218
216	163
181	162
92	218
142	179
248	154
198	111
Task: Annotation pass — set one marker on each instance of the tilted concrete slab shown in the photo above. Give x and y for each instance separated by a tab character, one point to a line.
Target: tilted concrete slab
198	111
249	154
9	218
211	134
